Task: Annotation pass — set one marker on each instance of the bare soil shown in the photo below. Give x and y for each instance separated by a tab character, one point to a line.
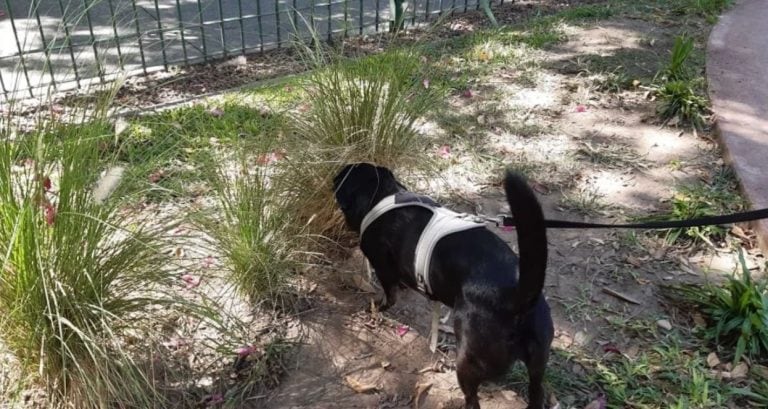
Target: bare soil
353	358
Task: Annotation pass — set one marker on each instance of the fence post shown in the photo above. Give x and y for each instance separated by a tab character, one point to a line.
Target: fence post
138	36
396	10
46	51
18	47
96	57
181	32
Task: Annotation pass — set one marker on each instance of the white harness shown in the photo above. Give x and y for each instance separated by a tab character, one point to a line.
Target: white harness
442	223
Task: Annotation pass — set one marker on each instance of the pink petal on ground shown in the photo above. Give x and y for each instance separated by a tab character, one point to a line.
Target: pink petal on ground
191	281
425	83
175	343
402	330
269	158
156	176
581	108
50	214
599	403
444	151
215	399
245	351
208	262
611	348
467	93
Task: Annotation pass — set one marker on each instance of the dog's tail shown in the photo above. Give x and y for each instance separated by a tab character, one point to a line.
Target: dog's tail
531	239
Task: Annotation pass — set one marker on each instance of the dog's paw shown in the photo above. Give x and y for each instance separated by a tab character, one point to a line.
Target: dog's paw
384	305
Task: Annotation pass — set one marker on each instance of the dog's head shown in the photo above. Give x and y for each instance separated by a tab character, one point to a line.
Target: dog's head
358	187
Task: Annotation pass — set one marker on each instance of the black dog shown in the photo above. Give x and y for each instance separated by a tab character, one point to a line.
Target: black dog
500	315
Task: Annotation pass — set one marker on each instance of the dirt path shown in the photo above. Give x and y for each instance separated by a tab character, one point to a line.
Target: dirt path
592	154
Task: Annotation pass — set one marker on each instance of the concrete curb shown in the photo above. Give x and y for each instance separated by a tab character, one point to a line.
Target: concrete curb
737	72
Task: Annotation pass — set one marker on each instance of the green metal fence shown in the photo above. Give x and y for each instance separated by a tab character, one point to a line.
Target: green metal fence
55	45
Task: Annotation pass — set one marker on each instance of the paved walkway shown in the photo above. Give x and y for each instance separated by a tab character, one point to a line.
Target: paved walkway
57	37
737	70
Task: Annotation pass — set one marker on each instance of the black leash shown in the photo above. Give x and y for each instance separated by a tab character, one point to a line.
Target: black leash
668	224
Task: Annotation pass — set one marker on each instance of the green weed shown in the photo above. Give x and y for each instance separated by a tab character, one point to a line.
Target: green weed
737	312
700	200
678	93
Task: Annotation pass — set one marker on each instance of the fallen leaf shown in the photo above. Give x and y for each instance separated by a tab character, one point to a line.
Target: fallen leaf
621	296
509	395
713	360
664	324
581	338
216	111
634	261
385	364
740	371
481	119
120	126
599	403
358	386
739	232
760	370
402	330
421	389
540	188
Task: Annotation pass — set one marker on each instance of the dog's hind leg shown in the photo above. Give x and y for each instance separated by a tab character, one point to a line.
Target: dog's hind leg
469	381
468	374
536	363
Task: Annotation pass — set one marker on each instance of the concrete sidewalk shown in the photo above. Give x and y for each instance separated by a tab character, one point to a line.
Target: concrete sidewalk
154	33
737	70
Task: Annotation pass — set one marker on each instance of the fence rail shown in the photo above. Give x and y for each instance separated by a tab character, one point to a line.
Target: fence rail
56	45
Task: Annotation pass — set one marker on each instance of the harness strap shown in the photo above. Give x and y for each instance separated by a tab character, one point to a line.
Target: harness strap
386	204
442	223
